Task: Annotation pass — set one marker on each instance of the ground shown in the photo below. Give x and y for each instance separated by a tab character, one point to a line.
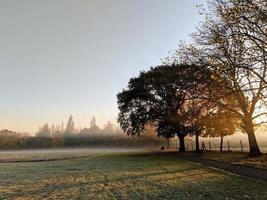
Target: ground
238	158
123	175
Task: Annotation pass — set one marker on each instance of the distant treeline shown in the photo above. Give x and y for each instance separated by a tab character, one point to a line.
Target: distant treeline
100	138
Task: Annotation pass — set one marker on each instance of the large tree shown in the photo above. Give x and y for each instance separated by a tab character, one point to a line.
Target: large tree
159	97
233	43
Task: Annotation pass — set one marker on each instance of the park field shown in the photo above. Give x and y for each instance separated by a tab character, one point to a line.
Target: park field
115	174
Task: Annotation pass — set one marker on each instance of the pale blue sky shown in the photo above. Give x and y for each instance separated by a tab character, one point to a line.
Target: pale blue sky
62	57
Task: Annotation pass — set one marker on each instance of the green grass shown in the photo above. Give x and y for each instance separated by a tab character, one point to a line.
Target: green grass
124	176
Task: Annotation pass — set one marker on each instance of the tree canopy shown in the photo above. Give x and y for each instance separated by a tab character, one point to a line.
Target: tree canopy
160	97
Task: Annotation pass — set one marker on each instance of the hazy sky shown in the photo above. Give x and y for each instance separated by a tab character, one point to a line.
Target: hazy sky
62	57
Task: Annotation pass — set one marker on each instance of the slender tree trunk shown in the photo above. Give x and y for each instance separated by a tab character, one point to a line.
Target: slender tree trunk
253	145
197	142
181	143
168	143
221	143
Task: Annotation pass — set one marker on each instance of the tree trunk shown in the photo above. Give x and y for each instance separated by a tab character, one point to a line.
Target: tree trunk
197	142
181	144
253	145
221	143
168	143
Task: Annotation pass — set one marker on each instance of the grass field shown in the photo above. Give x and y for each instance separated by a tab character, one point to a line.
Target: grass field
126	175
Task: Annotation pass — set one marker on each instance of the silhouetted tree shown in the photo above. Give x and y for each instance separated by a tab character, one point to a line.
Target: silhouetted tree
70	128
109	128
44	131
158	97
232	43
93	122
